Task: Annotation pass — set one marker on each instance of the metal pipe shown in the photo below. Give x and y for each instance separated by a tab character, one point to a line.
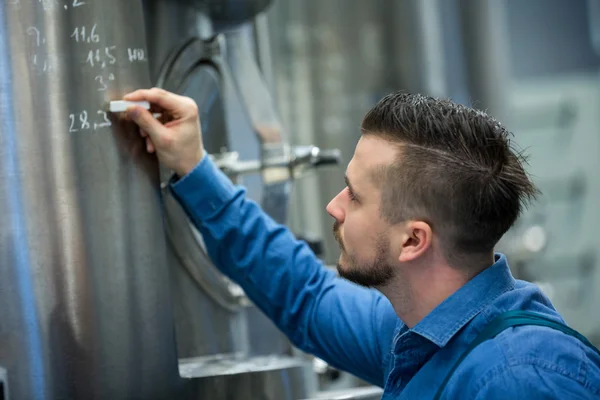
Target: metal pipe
485	35
262	43
421	60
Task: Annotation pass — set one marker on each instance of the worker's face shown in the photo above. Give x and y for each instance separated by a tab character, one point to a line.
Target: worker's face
364	237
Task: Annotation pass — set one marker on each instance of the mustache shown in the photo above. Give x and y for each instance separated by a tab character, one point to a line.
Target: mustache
337	235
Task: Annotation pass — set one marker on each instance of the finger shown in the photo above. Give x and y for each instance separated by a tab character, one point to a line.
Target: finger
143	133
122	117
158	97
155	109
149	145
146	122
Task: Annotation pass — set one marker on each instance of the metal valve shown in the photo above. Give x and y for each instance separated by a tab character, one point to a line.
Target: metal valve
289	163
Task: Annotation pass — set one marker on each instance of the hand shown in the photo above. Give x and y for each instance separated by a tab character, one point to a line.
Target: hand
178	142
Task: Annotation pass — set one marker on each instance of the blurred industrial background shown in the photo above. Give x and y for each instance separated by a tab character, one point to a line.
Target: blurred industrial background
310	70
533	64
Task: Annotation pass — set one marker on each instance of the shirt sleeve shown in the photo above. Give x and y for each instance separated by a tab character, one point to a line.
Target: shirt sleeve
530	381
348	326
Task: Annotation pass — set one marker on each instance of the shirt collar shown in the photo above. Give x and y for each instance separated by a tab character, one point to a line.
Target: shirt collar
441	324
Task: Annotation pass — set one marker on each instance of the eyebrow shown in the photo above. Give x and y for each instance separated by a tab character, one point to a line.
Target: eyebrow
350	186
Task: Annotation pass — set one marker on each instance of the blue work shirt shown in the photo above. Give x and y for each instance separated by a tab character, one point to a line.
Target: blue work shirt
356	329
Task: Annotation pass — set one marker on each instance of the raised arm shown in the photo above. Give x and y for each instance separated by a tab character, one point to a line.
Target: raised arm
348	326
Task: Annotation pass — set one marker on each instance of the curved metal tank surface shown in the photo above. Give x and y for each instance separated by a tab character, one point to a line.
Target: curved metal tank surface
229	13
186	58
86	311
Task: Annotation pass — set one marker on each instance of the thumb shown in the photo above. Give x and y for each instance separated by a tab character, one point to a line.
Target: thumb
146	121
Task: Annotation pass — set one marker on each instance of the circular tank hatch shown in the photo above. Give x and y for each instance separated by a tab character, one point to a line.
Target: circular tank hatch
189	71
204	86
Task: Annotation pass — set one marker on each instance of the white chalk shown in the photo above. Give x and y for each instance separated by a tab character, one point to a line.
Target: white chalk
122	105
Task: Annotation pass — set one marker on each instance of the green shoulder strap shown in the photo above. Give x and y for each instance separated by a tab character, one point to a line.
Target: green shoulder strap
507	320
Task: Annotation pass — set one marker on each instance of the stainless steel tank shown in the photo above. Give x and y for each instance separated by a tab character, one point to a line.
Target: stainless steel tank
229	349
85	311
191	56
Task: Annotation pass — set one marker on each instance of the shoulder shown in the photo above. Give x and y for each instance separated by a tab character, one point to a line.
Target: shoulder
531	360
529	380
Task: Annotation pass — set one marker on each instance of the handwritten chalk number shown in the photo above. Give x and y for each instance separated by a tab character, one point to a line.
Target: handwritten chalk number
80	34
72	127
104	124
83	118
98	58
80	122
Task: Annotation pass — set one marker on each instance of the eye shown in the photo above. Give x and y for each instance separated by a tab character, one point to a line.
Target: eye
351	194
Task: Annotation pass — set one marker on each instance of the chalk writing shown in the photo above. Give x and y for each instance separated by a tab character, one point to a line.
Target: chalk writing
103	82
39	58
45	63
83	121
35	32
101	57
136	55
50	4
81	34
80	121
105	121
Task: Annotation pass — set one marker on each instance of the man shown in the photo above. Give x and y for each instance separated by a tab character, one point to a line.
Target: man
430	190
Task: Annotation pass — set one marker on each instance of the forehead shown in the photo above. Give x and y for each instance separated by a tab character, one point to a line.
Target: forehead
371	153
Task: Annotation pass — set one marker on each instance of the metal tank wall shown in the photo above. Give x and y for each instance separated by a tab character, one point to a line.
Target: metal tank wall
210	319
84	309
203	327
228	348
87	254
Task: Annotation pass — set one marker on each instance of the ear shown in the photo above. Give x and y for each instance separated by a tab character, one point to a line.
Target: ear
416	240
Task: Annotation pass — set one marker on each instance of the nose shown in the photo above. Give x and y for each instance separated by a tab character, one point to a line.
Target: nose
335	209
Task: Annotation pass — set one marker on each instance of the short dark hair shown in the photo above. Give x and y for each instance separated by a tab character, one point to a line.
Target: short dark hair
457	169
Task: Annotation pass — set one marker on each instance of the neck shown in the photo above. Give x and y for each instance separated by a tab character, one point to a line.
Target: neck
417	289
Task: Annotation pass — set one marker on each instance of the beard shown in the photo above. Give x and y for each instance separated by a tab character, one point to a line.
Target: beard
374	274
